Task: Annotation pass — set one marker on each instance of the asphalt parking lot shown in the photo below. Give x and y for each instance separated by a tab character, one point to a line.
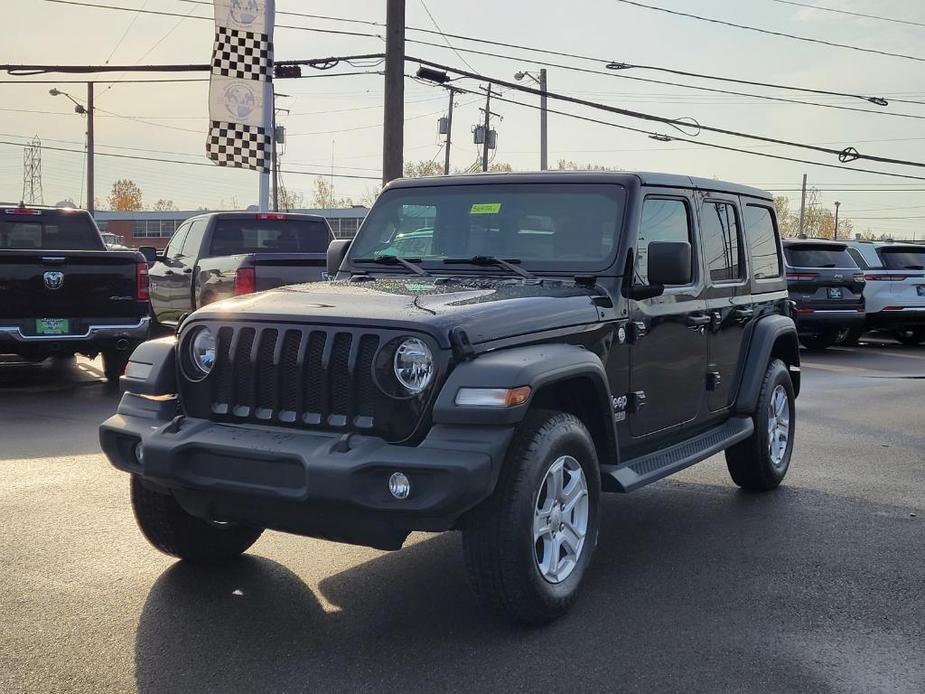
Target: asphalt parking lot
697	587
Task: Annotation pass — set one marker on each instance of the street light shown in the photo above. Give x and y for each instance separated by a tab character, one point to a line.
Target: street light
541	81
88	112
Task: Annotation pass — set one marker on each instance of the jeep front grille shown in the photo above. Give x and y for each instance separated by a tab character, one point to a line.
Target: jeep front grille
300	376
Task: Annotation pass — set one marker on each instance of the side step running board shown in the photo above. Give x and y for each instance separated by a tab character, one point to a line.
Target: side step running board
646	469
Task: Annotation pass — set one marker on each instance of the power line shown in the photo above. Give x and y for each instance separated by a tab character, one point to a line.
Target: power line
769	32
445	39
164	13
188	163
621	66
712	145
846	155
99	81
125	33
853	14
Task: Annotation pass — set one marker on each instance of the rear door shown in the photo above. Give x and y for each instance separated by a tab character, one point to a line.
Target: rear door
728	296
668	332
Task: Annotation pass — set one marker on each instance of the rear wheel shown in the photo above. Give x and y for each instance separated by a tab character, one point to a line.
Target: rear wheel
819	342
760	462
851	337
910	336
527	547
175	532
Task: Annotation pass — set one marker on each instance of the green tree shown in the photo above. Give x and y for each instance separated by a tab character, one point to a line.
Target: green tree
422	168
125	196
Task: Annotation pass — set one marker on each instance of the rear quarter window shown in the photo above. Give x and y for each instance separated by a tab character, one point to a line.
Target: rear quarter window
761	236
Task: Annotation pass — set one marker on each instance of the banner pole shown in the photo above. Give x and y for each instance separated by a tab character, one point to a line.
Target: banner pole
263	193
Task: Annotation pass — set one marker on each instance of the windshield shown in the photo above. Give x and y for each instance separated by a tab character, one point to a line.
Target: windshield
233	236
58	232
544	226
902	258
818	256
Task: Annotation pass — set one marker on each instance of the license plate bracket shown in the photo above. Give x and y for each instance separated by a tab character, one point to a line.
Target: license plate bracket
52	326
836	293
920	289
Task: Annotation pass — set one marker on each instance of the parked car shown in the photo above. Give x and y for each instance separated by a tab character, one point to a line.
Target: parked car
223	254
496	383
894	291
827	288
63	293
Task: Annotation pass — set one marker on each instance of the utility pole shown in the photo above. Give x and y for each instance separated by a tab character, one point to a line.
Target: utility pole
835	232
803	205
275	155
32	173
544	162
394	106
90	115
487	128
449	132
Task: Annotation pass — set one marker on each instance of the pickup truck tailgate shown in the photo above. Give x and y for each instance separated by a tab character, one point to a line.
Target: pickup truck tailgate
69	284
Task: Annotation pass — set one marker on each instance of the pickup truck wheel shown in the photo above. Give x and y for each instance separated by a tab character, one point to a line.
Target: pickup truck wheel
910	336
114	363
760	462
175	532
527	547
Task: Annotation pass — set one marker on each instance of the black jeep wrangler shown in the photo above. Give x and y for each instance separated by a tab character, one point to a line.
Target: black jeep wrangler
555	336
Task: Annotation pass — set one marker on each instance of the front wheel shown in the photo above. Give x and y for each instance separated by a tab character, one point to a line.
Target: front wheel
910	336
175	532
528	546
760	462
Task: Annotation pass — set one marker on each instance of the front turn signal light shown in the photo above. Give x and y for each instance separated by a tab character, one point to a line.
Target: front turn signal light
492	397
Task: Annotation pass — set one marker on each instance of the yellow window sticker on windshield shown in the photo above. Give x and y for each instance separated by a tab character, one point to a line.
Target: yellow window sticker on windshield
485	208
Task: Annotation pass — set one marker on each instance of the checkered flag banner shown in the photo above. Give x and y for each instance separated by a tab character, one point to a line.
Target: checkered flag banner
240	87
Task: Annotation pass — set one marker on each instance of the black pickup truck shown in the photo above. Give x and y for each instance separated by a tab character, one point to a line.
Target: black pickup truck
223	254
62	293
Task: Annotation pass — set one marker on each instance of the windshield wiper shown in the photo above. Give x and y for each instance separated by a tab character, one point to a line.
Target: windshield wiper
395	260
490	260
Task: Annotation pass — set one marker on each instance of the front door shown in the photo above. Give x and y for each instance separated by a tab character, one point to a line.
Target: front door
669	332
168	281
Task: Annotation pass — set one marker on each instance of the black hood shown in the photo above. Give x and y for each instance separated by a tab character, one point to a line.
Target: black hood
485	309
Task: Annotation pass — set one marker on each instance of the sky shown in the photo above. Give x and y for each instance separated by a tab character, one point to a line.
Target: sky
334	122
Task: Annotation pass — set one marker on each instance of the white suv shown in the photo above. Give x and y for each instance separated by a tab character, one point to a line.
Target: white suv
895	290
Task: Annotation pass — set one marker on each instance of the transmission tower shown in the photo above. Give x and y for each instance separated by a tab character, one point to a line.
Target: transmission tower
32	173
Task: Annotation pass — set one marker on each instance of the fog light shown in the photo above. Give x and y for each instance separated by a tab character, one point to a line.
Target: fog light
399	485
139	453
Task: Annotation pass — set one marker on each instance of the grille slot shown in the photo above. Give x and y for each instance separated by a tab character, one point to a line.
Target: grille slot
307	377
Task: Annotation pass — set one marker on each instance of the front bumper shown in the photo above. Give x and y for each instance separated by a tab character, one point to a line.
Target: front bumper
824	320
311	483
93	336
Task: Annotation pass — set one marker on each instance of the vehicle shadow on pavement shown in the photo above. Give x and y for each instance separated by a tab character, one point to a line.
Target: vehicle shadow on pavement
695	588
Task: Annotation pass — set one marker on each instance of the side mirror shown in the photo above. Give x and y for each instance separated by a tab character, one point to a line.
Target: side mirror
669	262
337	251
150	254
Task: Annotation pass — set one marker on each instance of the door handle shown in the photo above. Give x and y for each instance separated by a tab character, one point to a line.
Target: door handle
188	271
169	272
744	314
696	321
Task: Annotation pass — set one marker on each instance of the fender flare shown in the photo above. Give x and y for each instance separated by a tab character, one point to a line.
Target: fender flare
152	368
768	332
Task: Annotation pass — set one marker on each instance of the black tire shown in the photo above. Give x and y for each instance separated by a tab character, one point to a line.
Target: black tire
750	463
498	538
114	363
817	343
175	532
851	337
910	336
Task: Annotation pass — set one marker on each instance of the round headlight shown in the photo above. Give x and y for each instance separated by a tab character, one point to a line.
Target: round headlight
202	351
414	365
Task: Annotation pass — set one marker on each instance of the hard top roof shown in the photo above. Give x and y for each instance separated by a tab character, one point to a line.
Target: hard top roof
619	177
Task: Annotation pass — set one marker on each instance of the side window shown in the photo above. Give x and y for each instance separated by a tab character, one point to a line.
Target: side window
762	242
721	241
193	241
663	219
176	242
858	258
